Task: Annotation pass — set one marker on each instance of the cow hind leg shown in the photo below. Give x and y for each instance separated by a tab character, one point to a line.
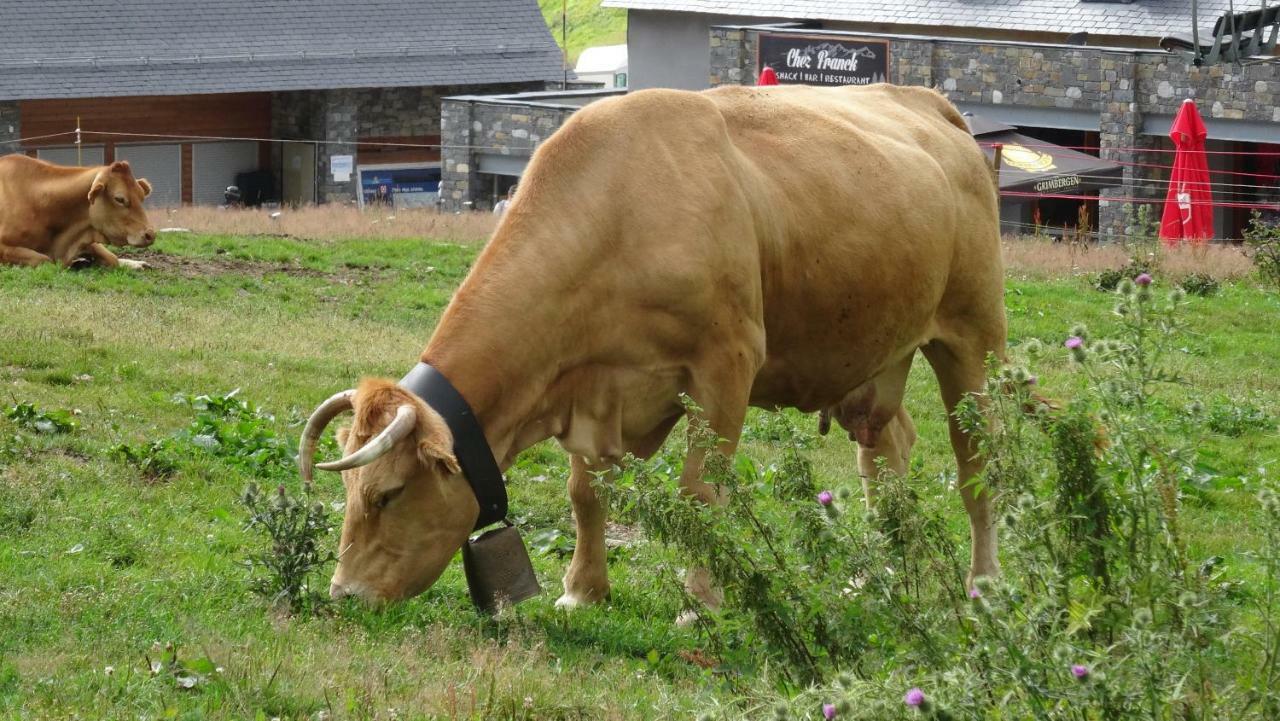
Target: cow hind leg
960	365
722	391
22	256
587	579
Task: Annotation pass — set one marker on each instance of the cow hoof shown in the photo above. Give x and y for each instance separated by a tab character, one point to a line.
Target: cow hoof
570	602
81	263
133	264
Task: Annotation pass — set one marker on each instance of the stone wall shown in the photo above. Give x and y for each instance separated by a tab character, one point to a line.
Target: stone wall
10	126
1123	87
473	127
339	118
335	115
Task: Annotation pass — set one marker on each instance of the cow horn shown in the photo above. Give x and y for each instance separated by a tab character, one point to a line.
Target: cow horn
336	404
402	425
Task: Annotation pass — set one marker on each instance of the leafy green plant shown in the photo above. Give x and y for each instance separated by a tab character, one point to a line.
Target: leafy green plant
1103	610
226	427
296	528
28	416
184	673
1236	417
156	459
1263	241
1200	284
238	432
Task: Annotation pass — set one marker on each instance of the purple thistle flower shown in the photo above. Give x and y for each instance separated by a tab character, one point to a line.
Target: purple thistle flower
1080	671
1143	279
1032	380
975	593
825	498
914	698
828	711
1074	342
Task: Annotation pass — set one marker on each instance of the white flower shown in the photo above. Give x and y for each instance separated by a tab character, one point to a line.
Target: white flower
109	670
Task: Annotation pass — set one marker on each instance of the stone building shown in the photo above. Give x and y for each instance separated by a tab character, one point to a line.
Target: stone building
489	139
1090	75
191	94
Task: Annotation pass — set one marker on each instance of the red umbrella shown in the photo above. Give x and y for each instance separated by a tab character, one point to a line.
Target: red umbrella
1188	208
768	77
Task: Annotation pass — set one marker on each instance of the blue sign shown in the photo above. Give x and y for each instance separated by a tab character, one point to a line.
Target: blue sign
411	186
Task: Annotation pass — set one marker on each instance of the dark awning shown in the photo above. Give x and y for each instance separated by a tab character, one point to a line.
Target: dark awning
1028	165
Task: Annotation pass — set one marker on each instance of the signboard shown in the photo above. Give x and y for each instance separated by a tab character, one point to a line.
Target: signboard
341	166
823	59
402	187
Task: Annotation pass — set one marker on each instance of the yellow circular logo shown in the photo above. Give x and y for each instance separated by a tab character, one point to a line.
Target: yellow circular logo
1024	158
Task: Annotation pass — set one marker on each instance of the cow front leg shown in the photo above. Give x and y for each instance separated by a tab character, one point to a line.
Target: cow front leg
110	260
587	580
22	256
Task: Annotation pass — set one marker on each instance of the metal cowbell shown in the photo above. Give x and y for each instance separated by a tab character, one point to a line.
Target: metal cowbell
499	572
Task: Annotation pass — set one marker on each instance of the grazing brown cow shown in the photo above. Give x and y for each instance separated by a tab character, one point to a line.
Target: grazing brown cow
52	213
782	246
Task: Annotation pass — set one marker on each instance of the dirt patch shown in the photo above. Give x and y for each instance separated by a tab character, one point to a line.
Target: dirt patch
195	267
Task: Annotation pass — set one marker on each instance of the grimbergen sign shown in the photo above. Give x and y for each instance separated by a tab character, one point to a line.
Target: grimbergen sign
823	60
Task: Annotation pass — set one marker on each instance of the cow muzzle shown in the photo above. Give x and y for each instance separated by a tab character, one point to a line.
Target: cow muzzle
143	239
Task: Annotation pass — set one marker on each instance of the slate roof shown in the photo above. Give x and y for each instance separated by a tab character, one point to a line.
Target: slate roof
73	48
1141	19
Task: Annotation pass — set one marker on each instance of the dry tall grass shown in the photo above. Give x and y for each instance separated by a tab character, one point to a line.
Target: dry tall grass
1024	256
1044	259
330	222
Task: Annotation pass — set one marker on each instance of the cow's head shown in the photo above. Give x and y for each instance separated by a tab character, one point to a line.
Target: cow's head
409	508
115	206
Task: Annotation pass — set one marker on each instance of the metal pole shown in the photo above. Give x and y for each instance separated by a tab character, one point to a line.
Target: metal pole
79	159
1195	29
564	41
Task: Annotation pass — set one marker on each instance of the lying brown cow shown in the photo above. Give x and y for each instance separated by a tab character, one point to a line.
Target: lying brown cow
51	213
782	246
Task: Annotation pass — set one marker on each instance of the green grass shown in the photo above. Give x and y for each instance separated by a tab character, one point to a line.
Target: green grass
589	24
99	562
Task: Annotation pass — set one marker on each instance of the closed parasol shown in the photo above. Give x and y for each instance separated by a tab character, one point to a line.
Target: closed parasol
1188	206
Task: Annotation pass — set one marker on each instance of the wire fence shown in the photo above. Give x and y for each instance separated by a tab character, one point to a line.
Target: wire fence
1227	186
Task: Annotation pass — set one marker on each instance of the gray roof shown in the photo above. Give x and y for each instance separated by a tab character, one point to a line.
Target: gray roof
73	48
1140	19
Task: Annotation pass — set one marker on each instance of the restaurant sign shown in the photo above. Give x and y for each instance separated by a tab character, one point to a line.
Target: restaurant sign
823	60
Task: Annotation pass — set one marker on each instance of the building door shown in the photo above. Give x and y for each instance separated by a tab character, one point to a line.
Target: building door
161	165
299	175
89	155
214	167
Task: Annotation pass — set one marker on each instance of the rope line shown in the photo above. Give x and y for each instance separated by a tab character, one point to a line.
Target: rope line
1268	153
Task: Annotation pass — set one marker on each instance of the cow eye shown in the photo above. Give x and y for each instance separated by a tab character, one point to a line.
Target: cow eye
385	499
120	200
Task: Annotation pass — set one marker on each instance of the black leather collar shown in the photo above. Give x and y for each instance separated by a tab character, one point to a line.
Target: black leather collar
469	444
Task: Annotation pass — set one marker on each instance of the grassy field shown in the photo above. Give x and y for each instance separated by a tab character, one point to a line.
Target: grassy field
589	24
101	565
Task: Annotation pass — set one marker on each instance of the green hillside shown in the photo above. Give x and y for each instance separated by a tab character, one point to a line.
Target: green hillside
589	24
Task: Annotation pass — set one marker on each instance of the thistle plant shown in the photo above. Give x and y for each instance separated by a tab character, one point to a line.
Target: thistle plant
1102	611
296	528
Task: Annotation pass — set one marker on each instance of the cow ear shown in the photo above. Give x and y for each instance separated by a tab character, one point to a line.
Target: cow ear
434	450
146	187
98	187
